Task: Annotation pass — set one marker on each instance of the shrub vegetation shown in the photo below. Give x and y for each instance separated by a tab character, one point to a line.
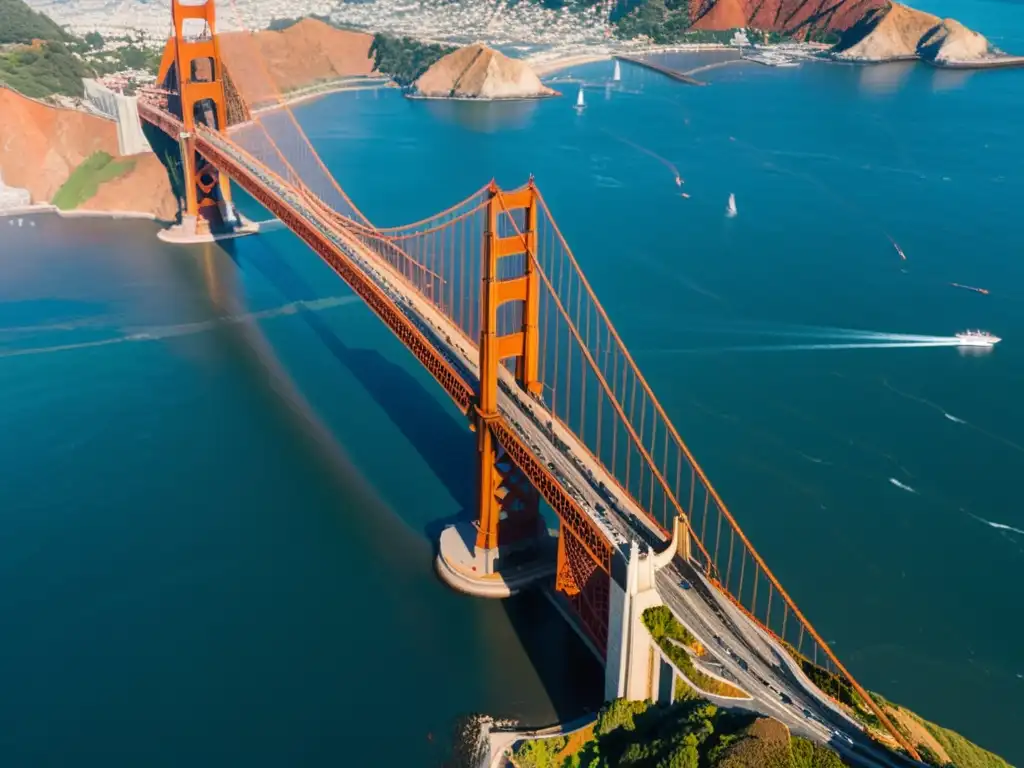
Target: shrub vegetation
86	179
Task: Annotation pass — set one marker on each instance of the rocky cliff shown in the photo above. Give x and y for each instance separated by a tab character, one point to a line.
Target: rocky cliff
304	54
478	72
41	145
899	32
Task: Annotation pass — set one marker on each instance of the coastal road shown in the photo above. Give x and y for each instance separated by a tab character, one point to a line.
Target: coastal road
746	655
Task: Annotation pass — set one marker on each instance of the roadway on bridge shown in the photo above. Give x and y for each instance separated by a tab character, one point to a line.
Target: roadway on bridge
749	657
743	651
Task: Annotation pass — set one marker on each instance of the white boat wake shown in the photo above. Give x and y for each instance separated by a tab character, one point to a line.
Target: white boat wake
902	486
997	526
158	333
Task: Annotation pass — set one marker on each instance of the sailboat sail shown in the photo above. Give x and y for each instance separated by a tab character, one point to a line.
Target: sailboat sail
579	99
730	209
618	73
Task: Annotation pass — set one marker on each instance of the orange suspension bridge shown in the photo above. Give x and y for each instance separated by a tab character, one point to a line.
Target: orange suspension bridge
488	296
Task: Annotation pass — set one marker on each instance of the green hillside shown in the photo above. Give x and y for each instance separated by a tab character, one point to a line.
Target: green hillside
691	733
38	70
20	24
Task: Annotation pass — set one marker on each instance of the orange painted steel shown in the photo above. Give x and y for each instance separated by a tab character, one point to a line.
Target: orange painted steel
193	93
491	504
283	104
640	447
586	589
574	519
454	384
495	437
722	509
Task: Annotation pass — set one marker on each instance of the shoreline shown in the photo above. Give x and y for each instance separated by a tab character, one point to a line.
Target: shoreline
538	97
1006	62
547	66
35	208
345	83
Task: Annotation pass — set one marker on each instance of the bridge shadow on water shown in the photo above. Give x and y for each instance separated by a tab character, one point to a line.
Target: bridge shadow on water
571	676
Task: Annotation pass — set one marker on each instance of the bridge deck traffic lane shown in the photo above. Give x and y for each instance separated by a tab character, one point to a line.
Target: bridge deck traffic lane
708	612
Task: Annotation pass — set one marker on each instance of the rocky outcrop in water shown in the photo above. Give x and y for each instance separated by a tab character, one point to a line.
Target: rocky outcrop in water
898	32
478	72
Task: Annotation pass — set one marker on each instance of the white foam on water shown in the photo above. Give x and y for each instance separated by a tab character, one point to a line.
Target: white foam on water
997	526
902	486
187	329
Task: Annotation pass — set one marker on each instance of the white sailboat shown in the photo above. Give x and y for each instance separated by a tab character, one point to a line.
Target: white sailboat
618	73
580	106
730	209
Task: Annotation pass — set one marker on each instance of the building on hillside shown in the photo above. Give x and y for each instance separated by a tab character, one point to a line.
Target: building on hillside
740	39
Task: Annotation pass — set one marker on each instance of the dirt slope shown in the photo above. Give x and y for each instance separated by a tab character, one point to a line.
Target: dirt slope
478	72
781	15
306	53
40	146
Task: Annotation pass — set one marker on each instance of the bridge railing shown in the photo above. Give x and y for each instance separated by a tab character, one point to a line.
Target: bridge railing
594	388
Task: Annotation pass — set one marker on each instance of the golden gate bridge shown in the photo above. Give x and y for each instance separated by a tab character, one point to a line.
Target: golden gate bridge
489	298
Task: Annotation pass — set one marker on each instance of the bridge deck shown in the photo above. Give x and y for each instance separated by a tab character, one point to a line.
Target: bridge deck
572	465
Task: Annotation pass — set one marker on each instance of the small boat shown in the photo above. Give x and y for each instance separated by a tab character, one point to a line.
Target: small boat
618	72
730	209
580	106
977	339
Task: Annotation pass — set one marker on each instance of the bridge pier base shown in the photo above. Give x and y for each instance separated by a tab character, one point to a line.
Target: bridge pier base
193	229
498	572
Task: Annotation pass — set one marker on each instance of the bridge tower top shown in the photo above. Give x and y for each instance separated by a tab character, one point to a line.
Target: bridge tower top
199	73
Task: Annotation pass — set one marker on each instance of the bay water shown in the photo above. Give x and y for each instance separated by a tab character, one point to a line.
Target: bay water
222	477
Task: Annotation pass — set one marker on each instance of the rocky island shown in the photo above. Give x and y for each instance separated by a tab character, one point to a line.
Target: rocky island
896	32
478	72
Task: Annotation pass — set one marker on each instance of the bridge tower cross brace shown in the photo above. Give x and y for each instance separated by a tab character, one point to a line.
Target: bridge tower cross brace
194	89
508	504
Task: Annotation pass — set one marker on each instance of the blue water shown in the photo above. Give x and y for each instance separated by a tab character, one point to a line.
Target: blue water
222	480
222	477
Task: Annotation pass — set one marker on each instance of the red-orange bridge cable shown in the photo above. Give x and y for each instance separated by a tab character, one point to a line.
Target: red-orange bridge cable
723	510
590	359
284	105
395	231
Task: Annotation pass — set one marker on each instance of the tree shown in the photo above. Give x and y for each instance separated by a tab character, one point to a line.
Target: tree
683	756
94	40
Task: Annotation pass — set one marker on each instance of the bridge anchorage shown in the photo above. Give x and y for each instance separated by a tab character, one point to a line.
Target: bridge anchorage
489	298
191	78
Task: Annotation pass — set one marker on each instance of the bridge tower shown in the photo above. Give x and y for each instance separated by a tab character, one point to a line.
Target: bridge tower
507	512
198	80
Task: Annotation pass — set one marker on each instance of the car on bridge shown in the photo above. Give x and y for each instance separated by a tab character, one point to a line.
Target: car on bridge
684	584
